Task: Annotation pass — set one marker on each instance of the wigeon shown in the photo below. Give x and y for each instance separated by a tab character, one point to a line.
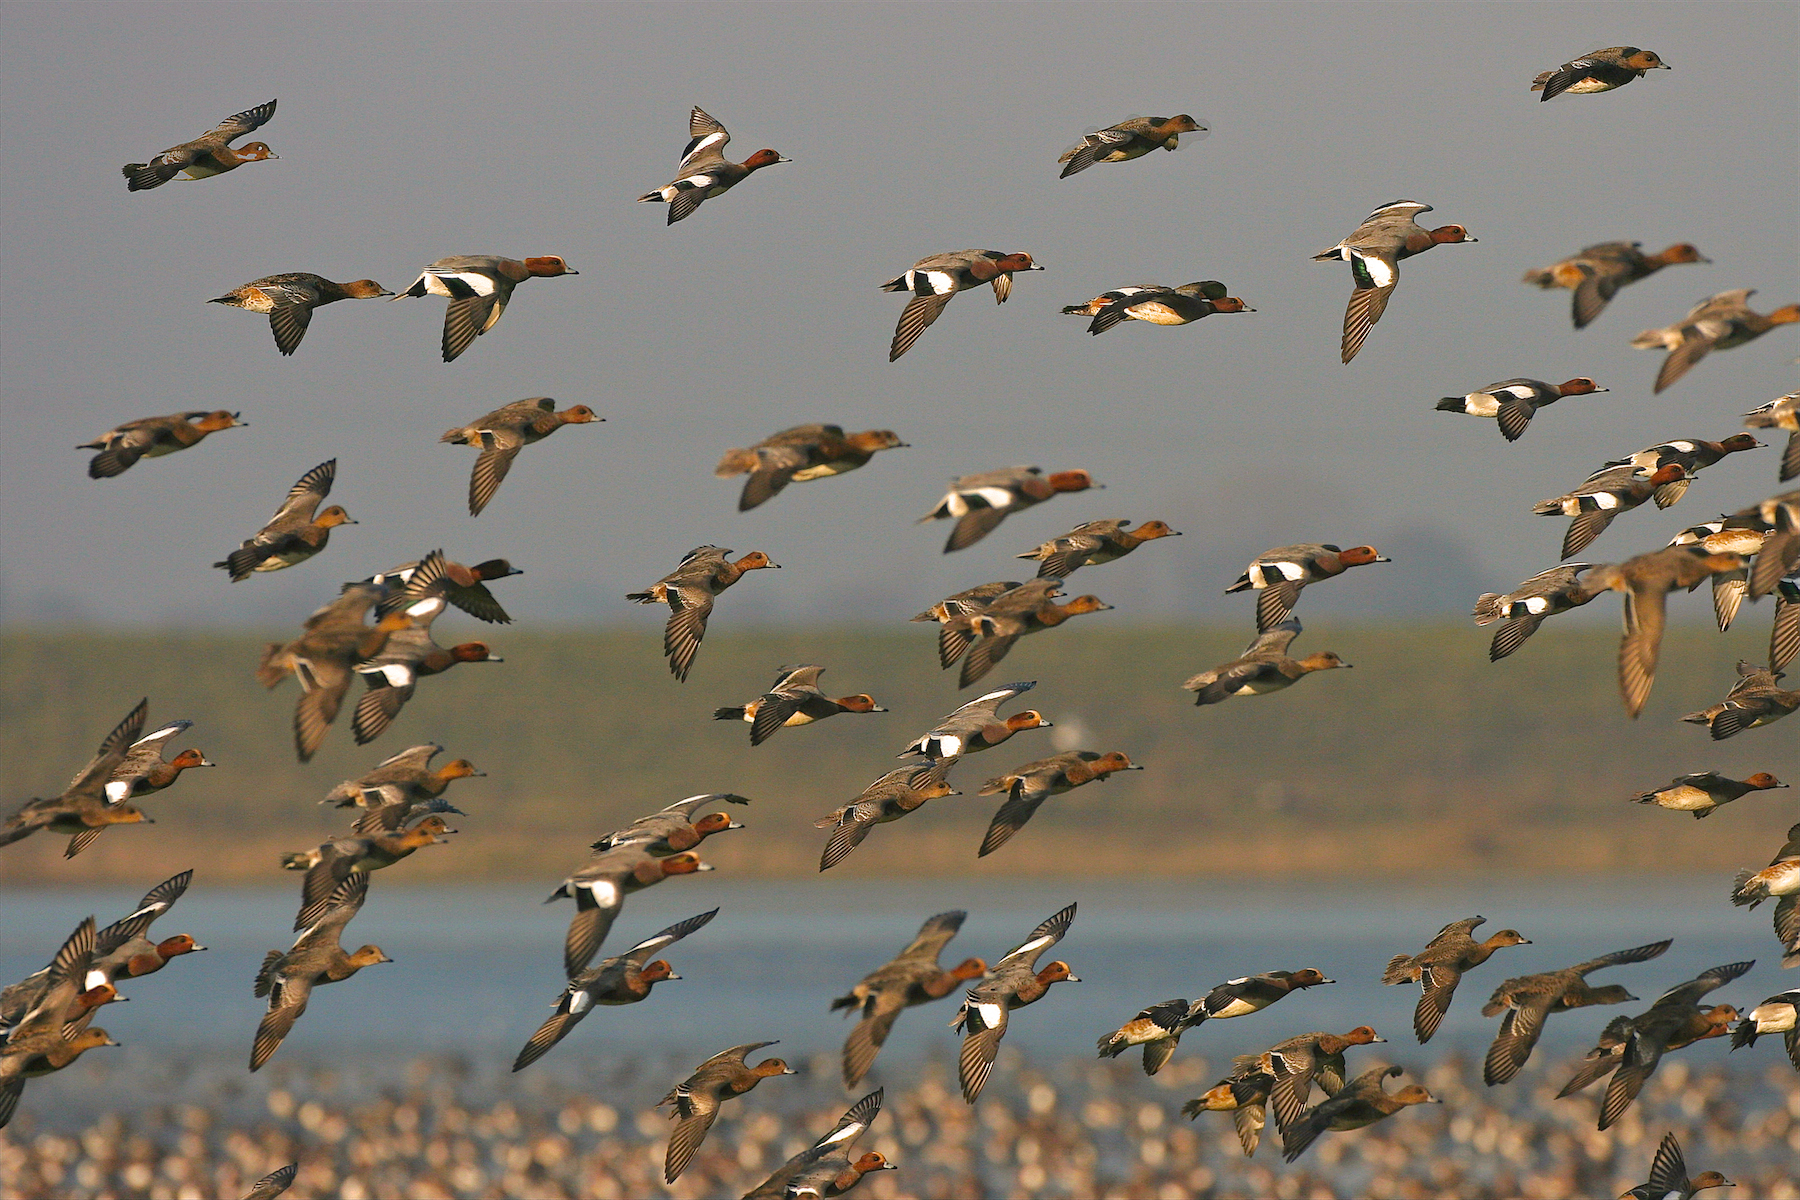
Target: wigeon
910	978
1756	699
403	777
142	773
1158	1029
980	502
694	1102
1093	543
123	951
392	674
1692	454
1780	1013
675	828
324	658
479	287
1295	1064
1669	1178
1598	71
1027	787
703	172
502	433
207	155
1278	575
290	298
1361	1102
1597	273
1263	667
1781	413
152	437
1160	305
1513	402
1721	322
435	575
977	726
1127	140
83	805
1024	610
40	1051
294	534
1781	878
1374	250
799	455
1606	493
315	959
1530	604
831	1153
1014	983
599	887
328	866
935	279
53	999
1703	792
689	591
1526	1000
1439	967
794	699
1646	581
899	792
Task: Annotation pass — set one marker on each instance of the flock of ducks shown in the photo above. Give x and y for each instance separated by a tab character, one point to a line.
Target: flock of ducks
379	630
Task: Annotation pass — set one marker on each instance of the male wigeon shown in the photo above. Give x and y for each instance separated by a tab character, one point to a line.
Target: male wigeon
1781	878
1361	1102
435	575
676	828
933	280
1159	305
966	603
83	805
1701	792
899	792
825	1168
207	155
1669	1178
1780	1013
910	978
502	433
977	726
316	958
622	979
392	674
1278	575
1527	1000
1530	604
332	862
1127	140
274	1183
599	887
1692	454
1781	413
1374	250
1027	787
703	172
335	639
1439	967
1024	610
479	287
294	534
689	591
1646	581
1598	71
1606	493
794	699
1159	1027
1755	700
1597	273
290	298
981	501
51	1000
403	777
152	437
1631	1047
1014	983
1093	543
694	1102
142	773
1295	1064
1263	667
799	455
1513	402
1721	322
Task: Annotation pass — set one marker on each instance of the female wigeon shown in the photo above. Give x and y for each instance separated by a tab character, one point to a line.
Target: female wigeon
335	861
1294	1065
1027	787
1263	667
40	1051
1158	1028
1606	493
977	726
290	298
933	280
1598	71
1093	543
1531	603
1631	1047
899	792
1597	273
1527	1000
695	1101
966	603
152	437
1361	1102
689	591
1703	791
622	979
703	172
1781	878
83	805
801	454
1246	1097
981	501
54	996
502	433
829	1153
1781	413
315	959
1160	305
324	658
1669	1178
1721	322
1278	575
1374	250
435	575
795	699
1439	967
1780	1013
207	155
1757	699
1010	617
599	887
404	777
1127	140
293	534
1646	581
675	828
1014	983
910	978
479	287
1513	402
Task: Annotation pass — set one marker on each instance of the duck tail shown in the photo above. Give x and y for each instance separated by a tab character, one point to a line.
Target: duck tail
1450	404
1542	277
849	1001
1703	717
298	861
1487	608
652	197
1644	798
1747	890
1396	970
270	672
729	714
240	563
1112	1045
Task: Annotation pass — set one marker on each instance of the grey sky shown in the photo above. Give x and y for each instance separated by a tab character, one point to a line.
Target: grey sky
410	132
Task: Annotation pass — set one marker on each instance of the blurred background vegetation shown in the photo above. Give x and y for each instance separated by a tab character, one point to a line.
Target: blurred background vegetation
1423	761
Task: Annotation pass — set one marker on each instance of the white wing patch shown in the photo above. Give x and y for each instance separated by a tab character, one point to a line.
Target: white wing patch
478	283
604	891
992	497
991	1015
117	791
1381	272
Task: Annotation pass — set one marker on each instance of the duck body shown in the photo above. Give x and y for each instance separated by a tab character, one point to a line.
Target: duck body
1780	1013
1027	787
704	172
289	300
1439	967
1596	274
910	978
479	287
800	455
1159	305
1529	605
294	534
599	887
1278	575
207	155
1598	71
152	437
899	792
1721	322
1513	402
1362	1102
1128	140
1264	667
695	1102
83	805
1757	699
977	726
501	434
1646	581
1603	496
1014	983
933	280
689	591
1093	543
1525	1001
316	958
1374	250
794	700
1781	413
1703	792
800	1175
1669	1178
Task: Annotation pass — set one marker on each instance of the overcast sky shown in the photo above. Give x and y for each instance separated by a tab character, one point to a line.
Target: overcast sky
409	132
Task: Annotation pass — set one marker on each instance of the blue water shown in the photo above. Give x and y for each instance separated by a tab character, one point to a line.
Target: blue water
476	968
